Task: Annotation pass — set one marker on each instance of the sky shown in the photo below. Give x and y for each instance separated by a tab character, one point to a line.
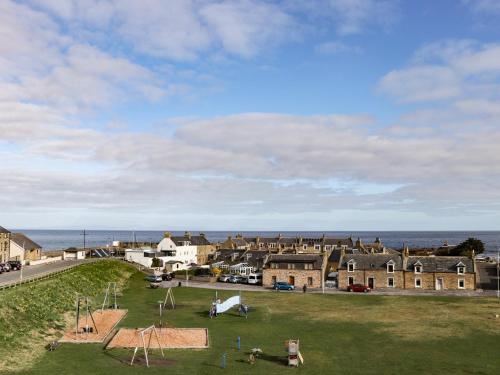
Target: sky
250	114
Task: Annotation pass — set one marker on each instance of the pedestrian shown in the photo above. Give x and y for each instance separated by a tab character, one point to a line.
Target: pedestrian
304	288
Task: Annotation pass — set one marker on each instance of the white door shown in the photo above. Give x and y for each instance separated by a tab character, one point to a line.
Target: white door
439	284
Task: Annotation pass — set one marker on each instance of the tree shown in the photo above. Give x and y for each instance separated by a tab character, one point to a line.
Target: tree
466	247
155	263
463	249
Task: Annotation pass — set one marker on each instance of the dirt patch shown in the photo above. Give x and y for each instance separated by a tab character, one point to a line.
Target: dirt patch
140	361
170	338
104	321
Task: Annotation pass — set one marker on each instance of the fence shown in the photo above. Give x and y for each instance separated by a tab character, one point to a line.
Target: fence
42	276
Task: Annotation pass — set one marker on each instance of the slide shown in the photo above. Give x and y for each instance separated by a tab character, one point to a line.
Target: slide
227	304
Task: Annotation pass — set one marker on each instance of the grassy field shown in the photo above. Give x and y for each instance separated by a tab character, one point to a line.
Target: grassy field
339	334
32	314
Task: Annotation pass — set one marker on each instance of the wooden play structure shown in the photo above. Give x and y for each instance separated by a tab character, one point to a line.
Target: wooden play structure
169	297
147	331
110	295
294	356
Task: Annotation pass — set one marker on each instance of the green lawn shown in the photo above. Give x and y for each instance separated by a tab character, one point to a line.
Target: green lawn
339	334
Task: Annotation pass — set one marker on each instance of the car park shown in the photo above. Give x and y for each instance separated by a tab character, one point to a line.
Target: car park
281	285
358	288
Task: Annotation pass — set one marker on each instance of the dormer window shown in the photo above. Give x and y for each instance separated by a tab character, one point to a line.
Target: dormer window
461	268
351	266
418	267
304	247
390	267
317	247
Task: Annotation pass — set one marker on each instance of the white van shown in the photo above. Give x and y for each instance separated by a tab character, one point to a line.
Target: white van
255	278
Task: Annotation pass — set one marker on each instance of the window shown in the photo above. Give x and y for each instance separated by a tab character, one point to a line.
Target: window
310	281
390	267
291	266
418	283
390	282
308	266
461	284
350	267
461	270
350	280
418	269
304	247
273	280
261	245
272	245
274	265
317	247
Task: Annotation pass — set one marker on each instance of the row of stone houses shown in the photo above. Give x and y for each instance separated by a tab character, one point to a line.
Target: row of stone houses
17	246
407	272
281	244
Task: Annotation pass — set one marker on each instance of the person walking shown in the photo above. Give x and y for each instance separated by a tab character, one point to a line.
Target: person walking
304	288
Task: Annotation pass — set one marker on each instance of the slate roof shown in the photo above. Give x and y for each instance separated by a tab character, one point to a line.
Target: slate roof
256	258
339	241
336	253
3	230
372	261
288	240
317	260
195	240
440	263
23	241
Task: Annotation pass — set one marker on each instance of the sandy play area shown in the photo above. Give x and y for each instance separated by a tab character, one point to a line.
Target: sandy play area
105	322
170	338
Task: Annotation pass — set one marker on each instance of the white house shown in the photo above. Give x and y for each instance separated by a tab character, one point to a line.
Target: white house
24	249
77	254
173	257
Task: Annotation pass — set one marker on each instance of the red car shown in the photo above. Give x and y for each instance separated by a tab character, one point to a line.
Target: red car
358	288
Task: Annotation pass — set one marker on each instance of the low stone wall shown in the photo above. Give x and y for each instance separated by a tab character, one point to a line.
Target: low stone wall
203	279
45	261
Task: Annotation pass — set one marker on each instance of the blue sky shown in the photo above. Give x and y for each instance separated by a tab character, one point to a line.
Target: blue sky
250	114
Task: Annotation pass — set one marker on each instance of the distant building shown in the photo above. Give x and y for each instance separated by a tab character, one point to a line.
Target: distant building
23	248
74	254
4	245
204	249
295	269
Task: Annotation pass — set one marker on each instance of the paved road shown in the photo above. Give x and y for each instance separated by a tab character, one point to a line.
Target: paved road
381	291
29	271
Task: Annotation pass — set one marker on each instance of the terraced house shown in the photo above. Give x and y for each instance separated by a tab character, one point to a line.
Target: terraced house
295	269
407	272
4	245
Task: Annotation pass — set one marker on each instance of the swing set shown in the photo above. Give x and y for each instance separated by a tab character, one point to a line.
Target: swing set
83	306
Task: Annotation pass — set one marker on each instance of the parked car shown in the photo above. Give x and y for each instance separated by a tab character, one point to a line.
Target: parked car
255	278
5	267
153	278
331	283
224	278
15	265
235	279
281	285
358	288
166	276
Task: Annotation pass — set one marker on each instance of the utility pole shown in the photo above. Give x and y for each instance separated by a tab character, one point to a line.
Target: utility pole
498	275
84	234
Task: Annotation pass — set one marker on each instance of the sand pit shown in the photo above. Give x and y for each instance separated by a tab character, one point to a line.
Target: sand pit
105	322
170	338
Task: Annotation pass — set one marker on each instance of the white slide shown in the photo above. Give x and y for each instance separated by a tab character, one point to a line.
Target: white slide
227	304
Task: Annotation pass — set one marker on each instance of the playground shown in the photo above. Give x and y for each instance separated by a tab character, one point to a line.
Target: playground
333	334
103	324
170	338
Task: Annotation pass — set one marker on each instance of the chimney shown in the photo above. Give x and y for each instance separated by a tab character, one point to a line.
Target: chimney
358	244
377	240
167	235
202	235
187	235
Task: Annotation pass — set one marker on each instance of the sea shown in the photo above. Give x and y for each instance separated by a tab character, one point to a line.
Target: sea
62	239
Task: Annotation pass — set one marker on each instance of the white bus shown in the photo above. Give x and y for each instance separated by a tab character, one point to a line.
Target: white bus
255	278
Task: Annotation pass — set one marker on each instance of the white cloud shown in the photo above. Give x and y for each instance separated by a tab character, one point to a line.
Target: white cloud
450	69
